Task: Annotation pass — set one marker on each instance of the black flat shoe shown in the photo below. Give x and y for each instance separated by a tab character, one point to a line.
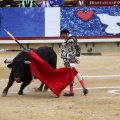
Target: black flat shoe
68	94
85	91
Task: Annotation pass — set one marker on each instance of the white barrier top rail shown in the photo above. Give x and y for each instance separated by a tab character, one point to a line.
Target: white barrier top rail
60	41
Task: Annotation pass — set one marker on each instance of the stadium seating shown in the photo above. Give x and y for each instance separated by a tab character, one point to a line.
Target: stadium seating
66	2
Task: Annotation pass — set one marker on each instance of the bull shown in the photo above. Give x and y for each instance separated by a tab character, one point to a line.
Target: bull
20	68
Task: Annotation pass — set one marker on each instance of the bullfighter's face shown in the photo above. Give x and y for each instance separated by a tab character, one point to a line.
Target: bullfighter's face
64	35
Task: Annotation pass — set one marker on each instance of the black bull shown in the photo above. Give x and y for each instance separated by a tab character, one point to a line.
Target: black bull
20	72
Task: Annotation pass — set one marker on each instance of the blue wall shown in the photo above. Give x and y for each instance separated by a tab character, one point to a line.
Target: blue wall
81	21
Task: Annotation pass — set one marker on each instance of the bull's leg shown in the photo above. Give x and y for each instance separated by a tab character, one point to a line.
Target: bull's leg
46	88
24	84
10	83
5	91
41	87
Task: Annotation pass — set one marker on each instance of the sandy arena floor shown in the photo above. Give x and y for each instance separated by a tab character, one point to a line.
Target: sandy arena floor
102	78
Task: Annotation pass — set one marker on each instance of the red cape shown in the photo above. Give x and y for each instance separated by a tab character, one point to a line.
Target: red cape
56	79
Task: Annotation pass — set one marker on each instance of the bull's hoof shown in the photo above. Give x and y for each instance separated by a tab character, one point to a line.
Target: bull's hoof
45	89
20	93
38	90
4	94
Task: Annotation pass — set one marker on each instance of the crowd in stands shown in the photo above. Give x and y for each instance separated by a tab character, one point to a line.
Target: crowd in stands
57	3
42	3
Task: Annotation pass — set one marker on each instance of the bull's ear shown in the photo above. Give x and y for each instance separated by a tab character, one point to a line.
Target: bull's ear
9	65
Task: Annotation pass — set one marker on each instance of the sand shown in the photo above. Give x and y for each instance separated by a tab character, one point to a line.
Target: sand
102	78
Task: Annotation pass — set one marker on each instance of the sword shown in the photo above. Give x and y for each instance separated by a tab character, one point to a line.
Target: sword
14	39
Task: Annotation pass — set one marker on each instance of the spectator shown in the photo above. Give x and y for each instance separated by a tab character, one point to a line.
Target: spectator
27	3
45	3
78	3
58	3
8	3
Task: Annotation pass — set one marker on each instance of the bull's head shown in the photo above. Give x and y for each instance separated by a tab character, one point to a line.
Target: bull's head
18	68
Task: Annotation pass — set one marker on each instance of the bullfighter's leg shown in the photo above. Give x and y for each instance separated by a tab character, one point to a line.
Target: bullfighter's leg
71	91
24	84
10	83
81	80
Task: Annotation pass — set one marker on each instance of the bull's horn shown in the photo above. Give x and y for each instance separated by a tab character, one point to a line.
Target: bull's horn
27	62
8	61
